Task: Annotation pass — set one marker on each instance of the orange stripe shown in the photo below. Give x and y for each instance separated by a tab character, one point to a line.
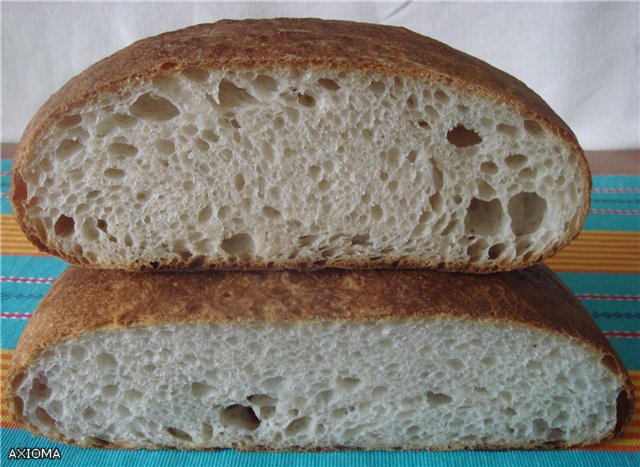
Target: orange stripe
24	253
627	257
607	233
13	241
11	425
610	448
604	243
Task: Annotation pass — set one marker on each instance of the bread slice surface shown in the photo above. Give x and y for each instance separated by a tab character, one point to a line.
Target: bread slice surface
333	359
298	143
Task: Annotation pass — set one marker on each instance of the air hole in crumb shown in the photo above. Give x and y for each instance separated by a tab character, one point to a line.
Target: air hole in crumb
239	416
339	413
436	398
64	226
441	96
106	362
273	383
67	148
238	182
515	161
462	137
270	213
69	121
435	201
527	211
533	127
325	396
121	150
239	245
306	100
376	212
489	168
201	389
262	400
328	84
43	416
455	364
89	231
423	124
165	147
508	130
40	389
431	112
210	136
154	108
411	102
110	390
323	186
196	74
205	215
201	145
314	172
180	434
496	250
377	87
265	83
102	225
436	176
484	217
379	391
114	174
230	95
296	426
485	191
348	384
528	173
476	250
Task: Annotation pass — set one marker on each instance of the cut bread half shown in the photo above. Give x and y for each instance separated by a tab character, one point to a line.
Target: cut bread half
329	360
298	143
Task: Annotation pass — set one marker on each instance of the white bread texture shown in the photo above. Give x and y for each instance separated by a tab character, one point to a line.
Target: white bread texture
317	361
298	144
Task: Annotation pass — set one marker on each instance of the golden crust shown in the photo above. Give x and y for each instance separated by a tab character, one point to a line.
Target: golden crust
86	300
302	44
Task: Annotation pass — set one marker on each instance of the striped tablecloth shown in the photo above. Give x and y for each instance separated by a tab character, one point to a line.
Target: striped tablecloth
602	267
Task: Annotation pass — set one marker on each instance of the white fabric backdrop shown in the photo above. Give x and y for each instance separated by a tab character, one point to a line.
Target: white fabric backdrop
582	58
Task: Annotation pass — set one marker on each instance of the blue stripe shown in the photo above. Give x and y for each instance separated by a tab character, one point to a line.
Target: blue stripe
616	181
611	284
10	333
32	266
5	165
615	222
22	298
629	350
5	206
73	456
602	203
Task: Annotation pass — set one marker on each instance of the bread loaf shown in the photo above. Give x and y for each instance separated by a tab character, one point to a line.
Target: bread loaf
334	359
298	143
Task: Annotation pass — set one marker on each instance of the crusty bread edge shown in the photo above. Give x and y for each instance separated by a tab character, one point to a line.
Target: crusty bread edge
150	57
564	317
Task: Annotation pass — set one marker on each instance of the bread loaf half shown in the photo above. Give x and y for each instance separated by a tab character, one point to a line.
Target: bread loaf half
335	359
298	143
